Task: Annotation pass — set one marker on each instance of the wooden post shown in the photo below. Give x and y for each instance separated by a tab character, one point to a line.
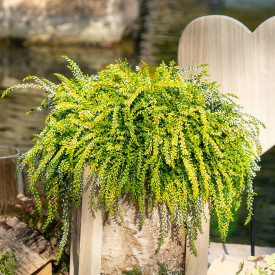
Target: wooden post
243	63
75	241
199	264
86	242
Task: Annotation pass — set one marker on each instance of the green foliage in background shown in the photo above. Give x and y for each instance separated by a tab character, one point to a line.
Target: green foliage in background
166	140
8	263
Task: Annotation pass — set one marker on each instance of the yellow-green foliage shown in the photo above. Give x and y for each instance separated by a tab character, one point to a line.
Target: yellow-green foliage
166	140
8	263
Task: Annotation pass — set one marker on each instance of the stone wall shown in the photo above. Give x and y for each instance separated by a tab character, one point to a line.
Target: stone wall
68	21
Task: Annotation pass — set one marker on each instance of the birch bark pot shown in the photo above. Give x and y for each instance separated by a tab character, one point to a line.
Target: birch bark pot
102	244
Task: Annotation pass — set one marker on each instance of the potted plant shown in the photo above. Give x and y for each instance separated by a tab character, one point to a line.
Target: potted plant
165	140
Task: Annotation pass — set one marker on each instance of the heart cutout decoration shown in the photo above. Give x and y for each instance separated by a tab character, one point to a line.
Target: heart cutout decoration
241	61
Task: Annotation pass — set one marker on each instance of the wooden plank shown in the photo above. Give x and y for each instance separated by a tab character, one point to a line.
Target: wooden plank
45	270
32	249
75	240
242	62
264	55
90	226
195	265
90	238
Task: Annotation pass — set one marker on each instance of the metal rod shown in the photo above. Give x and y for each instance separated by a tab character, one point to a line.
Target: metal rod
252	228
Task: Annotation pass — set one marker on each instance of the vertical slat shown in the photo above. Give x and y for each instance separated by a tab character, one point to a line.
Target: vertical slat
88	234
198	265
75	241
242	63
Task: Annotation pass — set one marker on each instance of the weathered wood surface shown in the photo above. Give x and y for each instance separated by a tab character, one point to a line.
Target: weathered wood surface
86	242
34	252
44	270
109	246
243	63
75	241
90	236
195	265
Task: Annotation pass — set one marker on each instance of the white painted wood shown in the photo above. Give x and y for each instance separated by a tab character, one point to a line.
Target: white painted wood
90	235
75	240
86	242
243	63
199	264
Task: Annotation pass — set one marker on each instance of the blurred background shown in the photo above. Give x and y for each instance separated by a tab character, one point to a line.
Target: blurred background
94	33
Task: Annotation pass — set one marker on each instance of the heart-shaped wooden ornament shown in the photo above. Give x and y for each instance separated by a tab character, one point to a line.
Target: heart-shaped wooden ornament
242	62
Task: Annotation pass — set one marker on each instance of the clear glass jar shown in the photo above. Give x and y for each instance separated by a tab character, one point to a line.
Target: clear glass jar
10	185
